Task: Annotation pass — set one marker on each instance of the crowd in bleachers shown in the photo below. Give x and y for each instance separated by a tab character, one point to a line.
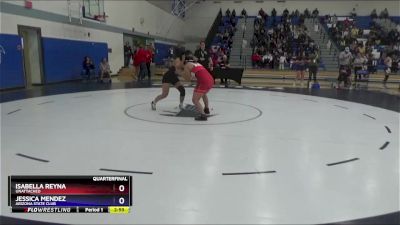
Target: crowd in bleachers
280	40
345	32
384	14
222	43
371	45
283	41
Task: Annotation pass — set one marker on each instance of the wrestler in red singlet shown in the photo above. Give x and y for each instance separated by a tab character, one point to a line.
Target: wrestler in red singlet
204	79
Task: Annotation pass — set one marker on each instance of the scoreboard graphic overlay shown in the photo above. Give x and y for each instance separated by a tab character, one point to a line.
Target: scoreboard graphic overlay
70	194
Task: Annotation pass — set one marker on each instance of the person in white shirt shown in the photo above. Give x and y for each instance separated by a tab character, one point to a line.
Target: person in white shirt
282	61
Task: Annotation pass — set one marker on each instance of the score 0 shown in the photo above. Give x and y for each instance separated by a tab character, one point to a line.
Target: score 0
121	189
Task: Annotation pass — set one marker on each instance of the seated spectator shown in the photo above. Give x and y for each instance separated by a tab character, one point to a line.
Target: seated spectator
346	23
361	48
105	71
88	68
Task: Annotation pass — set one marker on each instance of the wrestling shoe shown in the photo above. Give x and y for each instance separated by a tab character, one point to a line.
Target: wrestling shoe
181	106
207	111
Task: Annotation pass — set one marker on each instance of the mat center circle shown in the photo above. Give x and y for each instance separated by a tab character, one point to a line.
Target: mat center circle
168	112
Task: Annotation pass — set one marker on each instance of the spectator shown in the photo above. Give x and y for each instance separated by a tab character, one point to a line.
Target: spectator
273	13
299	66
307	13
268	59
388	64
301	19
297	13
396	62
345	58
140	60
282	61
149	58
261	13
233	13
88	68
358	64
228	13
334	19
105	71
361	48
384	14
256	60
202	56
354	32
353	13
244	13
313	63
171	52
315	13
223	64
376	55
285	12
233	21
127	53
374	15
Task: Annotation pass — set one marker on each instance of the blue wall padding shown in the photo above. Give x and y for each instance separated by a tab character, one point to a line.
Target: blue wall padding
162	52
11	67
63	58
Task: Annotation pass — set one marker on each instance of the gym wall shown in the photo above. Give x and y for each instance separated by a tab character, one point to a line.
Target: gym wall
92	38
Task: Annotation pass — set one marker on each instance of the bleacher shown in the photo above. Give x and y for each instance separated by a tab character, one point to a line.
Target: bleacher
266	77
221	29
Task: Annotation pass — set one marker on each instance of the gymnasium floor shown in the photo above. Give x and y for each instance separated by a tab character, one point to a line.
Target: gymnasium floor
265	156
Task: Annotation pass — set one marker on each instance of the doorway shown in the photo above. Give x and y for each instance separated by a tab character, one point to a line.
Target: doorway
32	54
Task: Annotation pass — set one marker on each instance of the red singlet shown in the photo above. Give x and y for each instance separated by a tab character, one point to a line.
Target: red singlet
204	79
